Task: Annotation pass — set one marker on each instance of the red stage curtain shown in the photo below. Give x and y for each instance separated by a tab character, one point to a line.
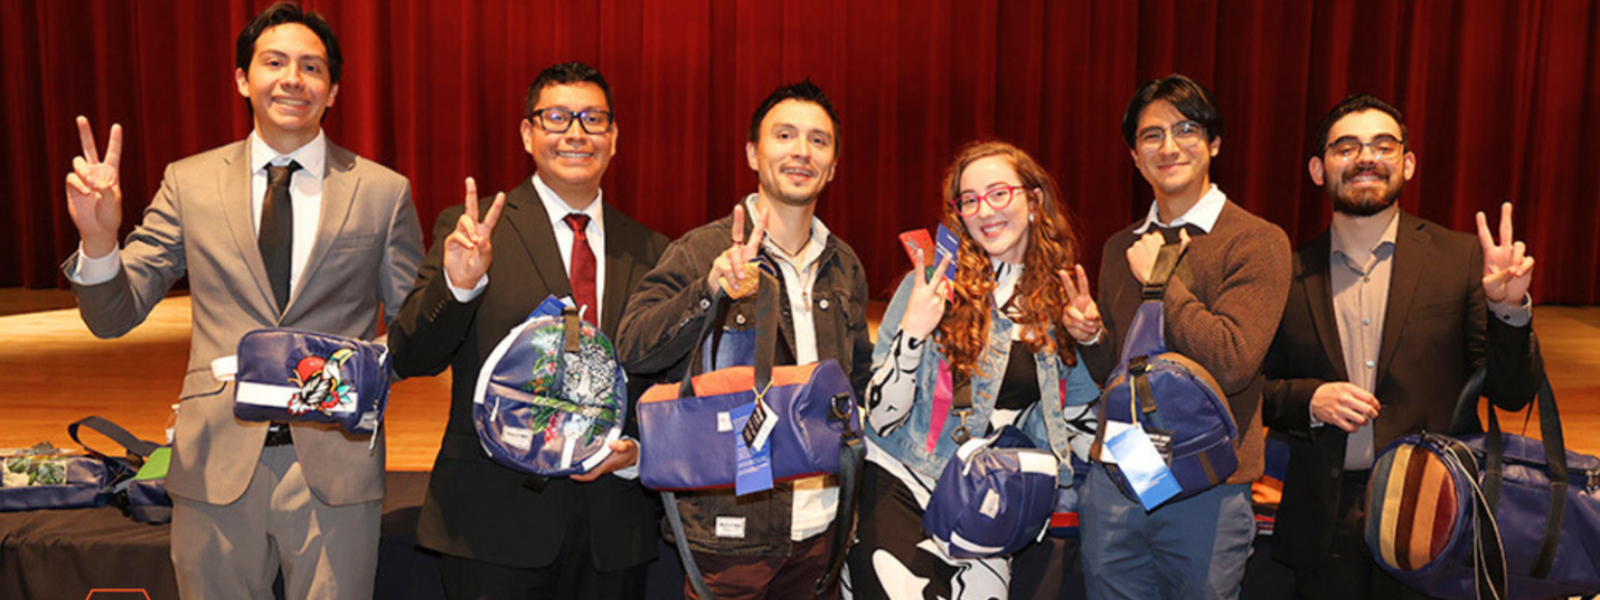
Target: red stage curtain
1499	96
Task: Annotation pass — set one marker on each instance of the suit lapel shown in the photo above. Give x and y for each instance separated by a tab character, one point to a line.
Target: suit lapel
530	225
620	241
339	185
1319	296
1411	246
233	187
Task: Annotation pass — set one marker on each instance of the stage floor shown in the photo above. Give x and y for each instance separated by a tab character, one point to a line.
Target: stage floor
57	372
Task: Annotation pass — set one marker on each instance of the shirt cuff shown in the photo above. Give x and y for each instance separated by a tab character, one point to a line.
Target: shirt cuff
1515	315
465	295
1097	335
95	271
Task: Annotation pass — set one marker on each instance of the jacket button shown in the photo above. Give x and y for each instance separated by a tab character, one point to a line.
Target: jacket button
738	319
823	304
705	303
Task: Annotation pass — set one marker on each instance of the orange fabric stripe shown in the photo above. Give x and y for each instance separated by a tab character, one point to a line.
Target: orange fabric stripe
1391	498
1434	477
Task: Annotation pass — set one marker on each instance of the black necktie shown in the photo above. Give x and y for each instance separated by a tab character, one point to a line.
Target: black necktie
276	236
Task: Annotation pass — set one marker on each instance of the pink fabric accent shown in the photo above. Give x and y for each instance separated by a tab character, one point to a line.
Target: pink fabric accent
943	392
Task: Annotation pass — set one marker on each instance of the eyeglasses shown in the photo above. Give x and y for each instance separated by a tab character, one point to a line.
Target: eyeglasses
1184	133
1384	147
559	120
998	197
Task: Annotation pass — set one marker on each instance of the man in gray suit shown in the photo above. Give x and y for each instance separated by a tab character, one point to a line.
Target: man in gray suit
282	229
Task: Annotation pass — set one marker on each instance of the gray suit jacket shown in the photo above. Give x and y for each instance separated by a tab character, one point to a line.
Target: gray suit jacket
366	253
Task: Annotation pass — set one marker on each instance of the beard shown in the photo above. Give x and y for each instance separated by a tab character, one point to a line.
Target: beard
1364	202
776	192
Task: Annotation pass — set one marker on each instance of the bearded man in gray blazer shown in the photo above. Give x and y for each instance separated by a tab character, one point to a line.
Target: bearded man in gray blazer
282	229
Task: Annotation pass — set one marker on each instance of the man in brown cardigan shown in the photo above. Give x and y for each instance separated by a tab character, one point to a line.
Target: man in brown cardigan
1222	306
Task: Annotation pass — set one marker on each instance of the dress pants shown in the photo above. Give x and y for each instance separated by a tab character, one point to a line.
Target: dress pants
234	551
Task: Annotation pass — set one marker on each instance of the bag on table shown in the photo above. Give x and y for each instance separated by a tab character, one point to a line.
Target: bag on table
142	492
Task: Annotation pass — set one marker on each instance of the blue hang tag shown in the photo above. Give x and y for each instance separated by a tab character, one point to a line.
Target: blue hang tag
754	472
551	307
946	245
1140	462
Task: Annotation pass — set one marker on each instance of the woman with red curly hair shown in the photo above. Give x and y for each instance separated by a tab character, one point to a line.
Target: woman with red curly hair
1001	333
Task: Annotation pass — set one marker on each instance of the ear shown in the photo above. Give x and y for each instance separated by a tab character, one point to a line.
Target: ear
1410	165
832	169
333	94
1216	146
613	135
242	81
1315	166
750	156
527	136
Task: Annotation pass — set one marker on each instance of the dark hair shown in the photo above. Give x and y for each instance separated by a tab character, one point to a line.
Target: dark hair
1354	104
567	73
1191	99
279	14
804	91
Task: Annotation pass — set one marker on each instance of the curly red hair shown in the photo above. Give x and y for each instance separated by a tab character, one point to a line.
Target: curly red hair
1040	298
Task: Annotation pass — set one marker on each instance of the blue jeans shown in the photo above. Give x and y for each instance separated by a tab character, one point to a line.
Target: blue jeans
1190	549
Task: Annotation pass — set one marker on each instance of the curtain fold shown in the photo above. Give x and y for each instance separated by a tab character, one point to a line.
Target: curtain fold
1500	98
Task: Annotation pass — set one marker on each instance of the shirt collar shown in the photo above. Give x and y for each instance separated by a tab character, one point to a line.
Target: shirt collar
1203	214
313	157
813	249
1348	232
557	209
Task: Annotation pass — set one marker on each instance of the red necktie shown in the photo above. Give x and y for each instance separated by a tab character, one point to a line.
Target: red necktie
583	266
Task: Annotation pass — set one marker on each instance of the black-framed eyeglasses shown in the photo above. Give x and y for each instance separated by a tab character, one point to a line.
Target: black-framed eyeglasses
559	120
1184	133
1386	148
998	197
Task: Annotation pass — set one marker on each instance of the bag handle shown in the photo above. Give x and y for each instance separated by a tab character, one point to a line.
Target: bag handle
1147	334
767	315
1555	452
105	427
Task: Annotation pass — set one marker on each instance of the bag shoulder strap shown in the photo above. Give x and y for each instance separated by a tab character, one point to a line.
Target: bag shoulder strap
105	427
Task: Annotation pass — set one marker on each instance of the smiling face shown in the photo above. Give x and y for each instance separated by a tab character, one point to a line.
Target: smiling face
289	86
794	157
1174	168
1363	184
571	162
1002	233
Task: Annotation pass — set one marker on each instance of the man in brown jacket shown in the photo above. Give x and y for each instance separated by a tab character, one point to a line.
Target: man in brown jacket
1221	308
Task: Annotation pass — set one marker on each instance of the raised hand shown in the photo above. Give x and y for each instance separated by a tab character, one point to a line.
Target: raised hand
1082	315
731	271
1507	269
1142	254
1344	405
467	252
926	306
94	191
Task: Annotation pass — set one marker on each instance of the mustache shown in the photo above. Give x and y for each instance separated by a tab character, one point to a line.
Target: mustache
1375	169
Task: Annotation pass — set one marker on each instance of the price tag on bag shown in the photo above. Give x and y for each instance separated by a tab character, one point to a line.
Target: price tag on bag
754	469
1133	452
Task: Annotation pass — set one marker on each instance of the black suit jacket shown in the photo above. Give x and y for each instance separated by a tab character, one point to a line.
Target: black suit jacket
475	508
1436	332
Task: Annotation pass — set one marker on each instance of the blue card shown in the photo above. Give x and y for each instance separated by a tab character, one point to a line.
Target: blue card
755	466
946	244
551	307
1140	462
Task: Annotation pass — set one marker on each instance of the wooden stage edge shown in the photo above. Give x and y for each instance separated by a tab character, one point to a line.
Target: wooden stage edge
57	372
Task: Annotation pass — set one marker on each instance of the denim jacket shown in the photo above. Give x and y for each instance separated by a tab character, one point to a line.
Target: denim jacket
1045	424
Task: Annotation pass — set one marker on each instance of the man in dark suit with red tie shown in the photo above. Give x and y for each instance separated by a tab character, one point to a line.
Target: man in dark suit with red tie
588	536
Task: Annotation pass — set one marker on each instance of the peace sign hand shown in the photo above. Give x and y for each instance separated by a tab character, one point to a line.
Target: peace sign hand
926	306
467	252
1082	315
731	270
1507	269
94	191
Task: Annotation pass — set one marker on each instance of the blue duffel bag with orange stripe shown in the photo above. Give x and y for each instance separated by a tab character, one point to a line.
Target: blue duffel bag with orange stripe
1487	515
